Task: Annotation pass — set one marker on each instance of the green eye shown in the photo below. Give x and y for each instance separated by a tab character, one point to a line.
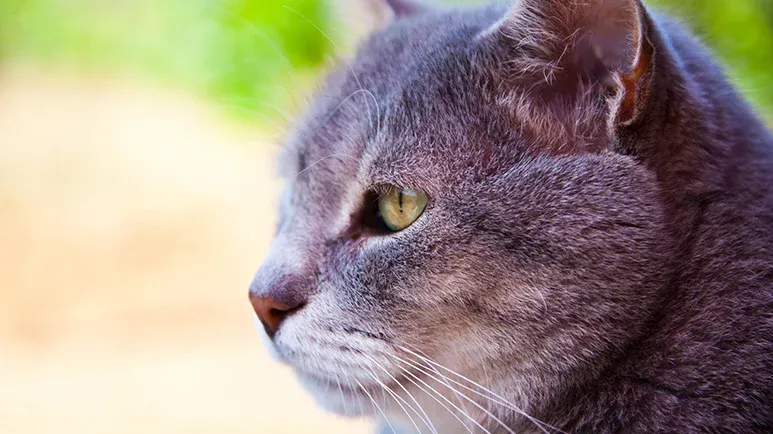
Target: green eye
400	208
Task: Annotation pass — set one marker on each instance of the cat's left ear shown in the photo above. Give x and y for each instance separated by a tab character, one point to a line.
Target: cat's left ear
569	48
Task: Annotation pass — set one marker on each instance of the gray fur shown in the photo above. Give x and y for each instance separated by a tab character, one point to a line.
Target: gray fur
602	274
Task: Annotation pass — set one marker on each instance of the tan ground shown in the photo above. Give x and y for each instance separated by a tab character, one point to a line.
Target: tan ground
131	221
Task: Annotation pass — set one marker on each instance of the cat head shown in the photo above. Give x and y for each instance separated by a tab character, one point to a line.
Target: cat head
528	246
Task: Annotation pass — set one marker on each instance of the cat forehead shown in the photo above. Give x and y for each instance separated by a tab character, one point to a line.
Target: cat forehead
431	52
421	87
438	88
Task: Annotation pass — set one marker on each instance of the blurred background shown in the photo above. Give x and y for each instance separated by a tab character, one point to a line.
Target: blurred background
137	193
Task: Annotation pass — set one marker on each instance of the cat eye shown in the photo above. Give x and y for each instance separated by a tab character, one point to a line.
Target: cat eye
399	208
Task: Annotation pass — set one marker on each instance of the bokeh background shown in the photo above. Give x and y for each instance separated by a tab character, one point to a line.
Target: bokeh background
137	192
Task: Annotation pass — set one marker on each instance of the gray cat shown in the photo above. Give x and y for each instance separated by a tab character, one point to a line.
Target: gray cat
552	217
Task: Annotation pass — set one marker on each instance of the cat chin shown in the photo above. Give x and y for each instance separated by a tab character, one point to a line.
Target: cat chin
334	398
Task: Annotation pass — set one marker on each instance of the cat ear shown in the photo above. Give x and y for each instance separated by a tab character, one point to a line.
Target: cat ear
576	47
384	12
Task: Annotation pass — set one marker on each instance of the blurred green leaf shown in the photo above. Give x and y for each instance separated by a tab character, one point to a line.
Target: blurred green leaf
740	33
254	55
237	51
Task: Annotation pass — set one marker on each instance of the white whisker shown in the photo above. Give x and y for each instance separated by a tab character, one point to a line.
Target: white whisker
396	398
272	46
343	101
437	400
362	410
341	391
472	419
455	392
499	399
425	418
333	155
348	64
460	394
234	103
375	405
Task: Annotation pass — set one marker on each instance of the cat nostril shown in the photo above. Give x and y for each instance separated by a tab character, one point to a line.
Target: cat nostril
272	312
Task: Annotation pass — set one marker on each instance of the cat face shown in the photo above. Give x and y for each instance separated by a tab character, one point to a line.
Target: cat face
535	257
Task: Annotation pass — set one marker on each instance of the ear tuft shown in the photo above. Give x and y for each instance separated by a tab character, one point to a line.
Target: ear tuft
555	34
575	55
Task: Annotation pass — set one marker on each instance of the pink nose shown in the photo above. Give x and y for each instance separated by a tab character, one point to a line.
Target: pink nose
272	312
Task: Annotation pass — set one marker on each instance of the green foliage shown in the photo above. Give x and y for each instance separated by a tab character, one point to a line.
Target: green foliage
238	51
740	33
260	51
253	54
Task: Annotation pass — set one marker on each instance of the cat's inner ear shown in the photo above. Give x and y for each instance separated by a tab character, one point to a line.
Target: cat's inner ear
384	12
568	49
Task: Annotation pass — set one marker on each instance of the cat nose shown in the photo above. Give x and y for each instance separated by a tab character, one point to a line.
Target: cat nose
273	304
272	312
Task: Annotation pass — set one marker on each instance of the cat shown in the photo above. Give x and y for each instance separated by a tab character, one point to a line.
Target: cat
548	216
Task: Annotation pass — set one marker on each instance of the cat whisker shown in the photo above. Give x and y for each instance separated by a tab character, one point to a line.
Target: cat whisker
487	379
499	399
464	413
425	418
293	94
454	390
378	112
341	391
343	101
397	399
458	393
359	401
483	367
326	157
451	412
375	405
259	32
384	400
329	188
348	64
272	46
235	103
